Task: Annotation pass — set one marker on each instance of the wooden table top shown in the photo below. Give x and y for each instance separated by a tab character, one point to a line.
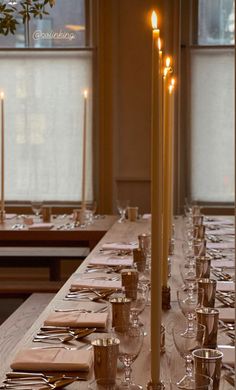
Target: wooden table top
58	235
172	364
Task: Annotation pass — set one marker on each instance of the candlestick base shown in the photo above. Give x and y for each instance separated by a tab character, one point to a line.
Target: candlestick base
166	298
155	386
2	216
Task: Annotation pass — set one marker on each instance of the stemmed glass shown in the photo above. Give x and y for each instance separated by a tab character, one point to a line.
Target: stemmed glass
186	342
131	340
122	206
188	303
36	207
189	277
138	304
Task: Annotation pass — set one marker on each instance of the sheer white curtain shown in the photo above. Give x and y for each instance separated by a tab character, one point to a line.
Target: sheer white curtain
212	125
44	124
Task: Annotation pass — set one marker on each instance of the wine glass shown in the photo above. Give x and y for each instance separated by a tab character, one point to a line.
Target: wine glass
189	276
122	206
186	342
131	340
138	303
36	206
188	303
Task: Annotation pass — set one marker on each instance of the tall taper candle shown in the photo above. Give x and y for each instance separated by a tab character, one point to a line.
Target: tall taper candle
171	152
84	150
166	189
156	209
2	156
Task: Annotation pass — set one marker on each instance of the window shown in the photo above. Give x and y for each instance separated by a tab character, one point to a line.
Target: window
212	103
43	87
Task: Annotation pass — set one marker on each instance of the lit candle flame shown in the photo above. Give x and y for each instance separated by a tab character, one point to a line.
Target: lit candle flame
172	82
154	20
171	88
168	62
165	72
85	93
159	44
1	95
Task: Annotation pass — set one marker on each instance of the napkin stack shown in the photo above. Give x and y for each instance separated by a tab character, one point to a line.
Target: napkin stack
228	354
96	284
52	359
225	286
77	320
112	261
122	246
226	314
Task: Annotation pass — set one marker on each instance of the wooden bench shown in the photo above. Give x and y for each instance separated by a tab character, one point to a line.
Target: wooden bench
24	288
49	257
14	328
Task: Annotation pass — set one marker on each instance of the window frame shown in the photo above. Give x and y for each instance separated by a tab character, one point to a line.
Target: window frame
23	207
189	12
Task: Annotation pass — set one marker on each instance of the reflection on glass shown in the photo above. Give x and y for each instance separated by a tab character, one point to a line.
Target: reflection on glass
63	27
216	22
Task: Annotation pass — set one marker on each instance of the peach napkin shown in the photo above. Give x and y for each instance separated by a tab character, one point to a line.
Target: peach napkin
101	284
222	263
122	246
225	286
228	354
75	319
41	226
226	314
221	245
52	359
112	261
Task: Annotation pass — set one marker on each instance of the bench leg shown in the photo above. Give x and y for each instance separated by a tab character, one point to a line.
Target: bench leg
55	269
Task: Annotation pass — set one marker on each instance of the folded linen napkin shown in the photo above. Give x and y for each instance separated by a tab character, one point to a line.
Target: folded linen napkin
122	246
112	261
219	232
221	245
147	216
226	314
220	221
228	354
100	284
77	320
41	226
223	263
54	359
10	216
225	286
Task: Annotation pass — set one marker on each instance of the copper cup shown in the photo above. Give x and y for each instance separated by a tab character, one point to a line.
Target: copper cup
203	266
198	219
209	317
208	362
132	213
145	242
46	212
199	231
120	312
105	359
196	210
209	291
129	280
139	259
199	247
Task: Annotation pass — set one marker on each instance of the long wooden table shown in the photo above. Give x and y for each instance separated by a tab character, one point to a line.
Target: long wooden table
46	248
171	363
58	236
